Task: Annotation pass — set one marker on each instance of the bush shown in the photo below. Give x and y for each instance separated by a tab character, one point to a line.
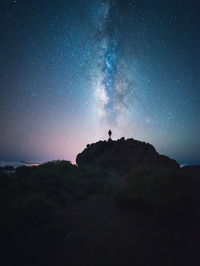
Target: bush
24	170
58	165
62	175
159	191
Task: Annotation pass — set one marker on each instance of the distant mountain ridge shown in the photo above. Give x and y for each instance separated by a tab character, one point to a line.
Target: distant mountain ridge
15	164
124	156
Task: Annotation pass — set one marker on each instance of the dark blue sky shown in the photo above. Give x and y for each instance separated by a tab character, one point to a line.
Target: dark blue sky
70	70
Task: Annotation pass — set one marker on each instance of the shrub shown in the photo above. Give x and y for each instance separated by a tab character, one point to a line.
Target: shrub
58	165
24	170
160	191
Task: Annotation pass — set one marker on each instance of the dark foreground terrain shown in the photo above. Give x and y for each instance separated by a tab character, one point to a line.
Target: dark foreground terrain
101	234
103	211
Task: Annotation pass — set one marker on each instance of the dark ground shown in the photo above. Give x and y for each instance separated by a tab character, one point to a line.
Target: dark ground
98	232
101	234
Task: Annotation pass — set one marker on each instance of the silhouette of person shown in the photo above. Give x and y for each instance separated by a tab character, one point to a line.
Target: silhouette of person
109	134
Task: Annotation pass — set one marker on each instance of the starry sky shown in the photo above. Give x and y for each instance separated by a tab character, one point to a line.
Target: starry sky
71	70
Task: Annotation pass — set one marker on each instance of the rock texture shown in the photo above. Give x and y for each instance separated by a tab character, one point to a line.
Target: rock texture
124	156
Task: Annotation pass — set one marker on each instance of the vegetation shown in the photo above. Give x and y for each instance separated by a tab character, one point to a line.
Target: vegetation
160	191
32	200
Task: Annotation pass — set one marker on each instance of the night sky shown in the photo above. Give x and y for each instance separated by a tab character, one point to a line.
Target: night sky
71	70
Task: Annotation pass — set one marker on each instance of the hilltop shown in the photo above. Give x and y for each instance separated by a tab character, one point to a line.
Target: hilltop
124	156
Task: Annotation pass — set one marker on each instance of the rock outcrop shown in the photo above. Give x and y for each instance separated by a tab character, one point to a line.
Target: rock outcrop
124	156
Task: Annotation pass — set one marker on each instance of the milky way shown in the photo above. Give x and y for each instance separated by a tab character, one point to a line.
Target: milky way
113	90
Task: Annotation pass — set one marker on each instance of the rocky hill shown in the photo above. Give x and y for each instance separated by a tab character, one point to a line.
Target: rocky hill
124	156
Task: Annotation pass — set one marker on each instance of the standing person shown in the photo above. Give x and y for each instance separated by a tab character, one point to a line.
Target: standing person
109	134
